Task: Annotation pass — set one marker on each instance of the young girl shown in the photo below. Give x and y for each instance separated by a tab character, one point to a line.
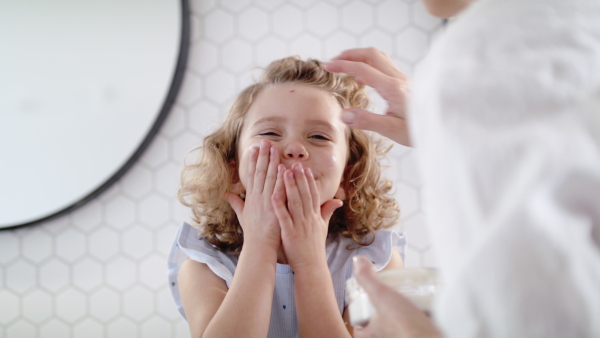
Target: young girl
284	195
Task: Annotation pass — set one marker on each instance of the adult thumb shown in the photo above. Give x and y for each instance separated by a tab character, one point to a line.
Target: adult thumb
236	203
329	207
365	274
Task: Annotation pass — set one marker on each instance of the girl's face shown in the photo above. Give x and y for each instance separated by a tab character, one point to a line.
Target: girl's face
304	124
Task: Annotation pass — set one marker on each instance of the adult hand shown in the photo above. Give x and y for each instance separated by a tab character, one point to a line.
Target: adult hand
395	315
375	69
304	222
255	213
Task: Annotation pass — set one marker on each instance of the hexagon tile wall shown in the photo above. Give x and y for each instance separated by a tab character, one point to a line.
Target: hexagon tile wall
101	271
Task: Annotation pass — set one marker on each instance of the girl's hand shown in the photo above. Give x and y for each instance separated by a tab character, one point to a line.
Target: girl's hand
255	214
375	69
304	223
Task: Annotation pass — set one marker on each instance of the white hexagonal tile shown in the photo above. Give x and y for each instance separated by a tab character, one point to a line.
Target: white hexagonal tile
88	328
9	246
306	46
417	232
54	328
70	245
157	154
408	168
357	17
120	212
37	306
54	275
190	91
235	6
152	272
271	4
204	118
87	274
253	23
379	39
87	217
104	243
338	42
165	305
166	179
138	303
269	49
412	44
429	259
322	19
219	25
123	327
20	329
10	306
20	276
287	21
196	29
175	123
182	330
422	18
137	182
137	242
121	273
392	15
105	304
71	305
183	144
220	86
204	57
408	199
154	211
236	55
165	238
202	7
36	245
157	327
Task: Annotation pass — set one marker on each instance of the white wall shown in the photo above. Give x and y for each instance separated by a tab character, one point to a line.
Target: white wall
101	271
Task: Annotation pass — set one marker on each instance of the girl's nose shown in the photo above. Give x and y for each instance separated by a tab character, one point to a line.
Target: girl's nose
295	151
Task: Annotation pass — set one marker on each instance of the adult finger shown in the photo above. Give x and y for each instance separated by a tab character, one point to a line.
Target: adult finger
303	188
373	57
271	177
261	165
386	125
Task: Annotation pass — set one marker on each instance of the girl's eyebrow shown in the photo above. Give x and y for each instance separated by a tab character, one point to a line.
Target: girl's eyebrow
322	123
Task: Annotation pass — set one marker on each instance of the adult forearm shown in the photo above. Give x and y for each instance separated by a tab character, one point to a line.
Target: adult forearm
246	309
316	306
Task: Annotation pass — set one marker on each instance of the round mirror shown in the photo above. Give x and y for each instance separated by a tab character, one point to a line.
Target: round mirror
85	85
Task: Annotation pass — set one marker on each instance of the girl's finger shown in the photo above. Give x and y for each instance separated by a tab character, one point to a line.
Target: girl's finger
314	191
271	178
294	201
281	212
252	158
279	184
261	165
303	189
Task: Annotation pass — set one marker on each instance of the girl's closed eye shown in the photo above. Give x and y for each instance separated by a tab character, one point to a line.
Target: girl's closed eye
269	133
319	137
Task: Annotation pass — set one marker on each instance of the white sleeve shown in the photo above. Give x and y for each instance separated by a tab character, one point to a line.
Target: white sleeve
506	119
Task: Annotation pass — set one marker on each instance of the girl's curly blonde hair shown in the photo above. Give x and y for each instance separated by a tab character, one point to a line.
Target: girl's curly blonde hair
368	206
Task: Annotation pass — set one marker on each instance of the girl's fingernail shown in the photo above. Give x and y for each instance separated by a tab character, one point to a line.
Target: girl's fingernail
280	168
309	172
290	174
298	167
264	143
272	150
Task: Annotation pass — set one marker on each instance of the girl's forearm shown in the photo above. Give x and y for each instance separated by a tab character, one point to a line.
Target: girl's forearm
246	309
316	306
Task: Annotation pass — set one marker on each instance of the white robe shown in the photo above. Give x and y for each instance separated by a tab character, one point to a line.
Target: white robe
505	116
